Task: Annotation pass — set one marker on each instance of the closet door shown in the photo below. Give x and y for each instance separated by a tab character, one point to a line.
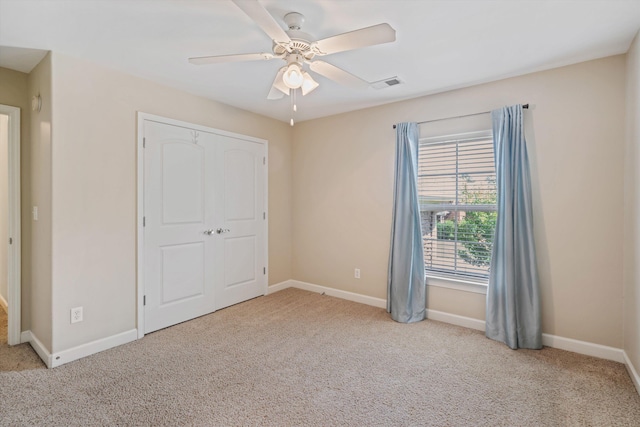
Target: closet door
178	210
205	226
241	244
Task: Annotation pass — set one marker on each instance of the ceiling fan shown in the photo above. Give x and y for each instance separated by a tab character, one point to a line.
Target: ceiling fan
298	49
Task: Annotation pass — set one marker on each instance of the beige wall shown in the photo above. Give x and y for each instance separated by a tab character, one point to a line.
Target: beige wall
4	203
39	82
632	209
13	92
94	190
343	179
330	191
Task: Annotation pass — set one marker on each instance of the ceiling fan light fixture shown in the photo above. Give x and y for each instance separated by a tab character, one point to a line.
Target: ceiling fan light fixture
293	77
308	84
278	83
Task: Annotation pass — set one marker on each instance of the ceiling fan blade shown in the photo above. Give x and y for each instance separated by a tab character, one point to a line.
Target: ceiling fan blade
337	74
370	36
265	21
278	89
202	60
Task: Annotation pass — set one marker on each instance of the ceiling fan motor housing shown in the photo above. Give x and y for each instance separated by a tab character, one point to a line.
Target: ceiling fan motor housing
300	41
299	44
294	20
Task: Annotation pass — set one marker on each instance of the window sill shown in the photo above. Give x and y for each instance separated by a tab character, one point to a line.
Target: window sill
457	284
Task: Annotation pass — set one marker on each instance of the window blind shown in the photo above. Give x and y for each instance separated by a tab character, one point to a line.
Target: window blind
457	195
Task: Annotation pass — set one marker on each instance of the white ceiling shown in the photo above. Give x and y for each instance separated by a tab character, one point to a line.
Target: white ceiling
441	44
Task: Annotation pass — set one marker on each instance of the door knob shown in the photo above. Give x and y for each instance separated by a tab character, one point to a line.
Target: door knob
222	230
208	232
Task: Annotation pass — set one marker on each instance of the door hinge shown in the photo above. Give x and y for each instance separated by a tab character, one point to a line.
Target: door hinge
144	300
264	270
10	240
144	221
264	215
264	160
144	142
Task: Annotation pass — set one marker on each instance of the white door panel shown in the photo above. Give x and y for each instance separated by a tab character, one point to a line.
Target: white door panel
182	272
178	278
240	271
240	185
240	260
182	183
196	181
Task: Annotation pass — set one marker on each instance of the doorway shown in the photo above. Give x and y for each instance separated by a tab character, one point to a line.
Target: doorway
10	286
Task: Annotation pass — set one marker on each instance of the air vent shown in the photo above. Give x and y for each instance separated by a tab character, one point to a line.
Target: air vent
391	81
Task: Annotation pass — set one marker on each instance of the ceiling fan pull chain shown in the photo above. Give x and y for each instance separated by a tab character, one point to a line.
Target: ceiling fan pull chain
294	107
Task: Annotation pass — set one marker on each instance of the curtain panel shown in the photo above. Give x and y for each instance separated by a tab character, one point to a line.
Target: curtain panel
406	290
513	313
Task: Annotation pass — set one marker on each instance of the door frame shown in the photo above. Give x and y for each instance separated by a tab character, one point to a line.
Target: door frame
14	259
140	200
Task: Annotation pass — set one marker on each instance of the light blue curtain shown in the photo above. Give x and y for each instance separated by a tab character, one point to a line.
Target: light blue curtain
513	297
406	292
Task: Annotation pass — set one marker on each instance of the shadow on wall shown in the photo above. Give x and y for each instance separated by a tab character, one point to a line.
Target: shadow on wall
540	229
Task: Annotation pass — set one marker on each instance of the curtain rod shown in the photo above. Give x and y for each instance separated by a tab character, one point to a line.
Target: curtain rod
458	117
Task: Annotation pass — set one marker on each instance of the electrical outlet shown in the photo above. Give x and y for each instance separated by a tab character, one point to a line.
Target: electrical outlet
76	315
357	273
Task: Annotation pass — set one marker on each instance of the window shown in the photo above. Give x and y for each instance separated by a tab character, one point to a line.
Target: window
457	196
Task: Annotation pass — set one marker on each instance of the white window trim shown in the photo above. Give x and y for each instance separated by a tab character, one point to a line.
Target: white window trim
458	137
458	284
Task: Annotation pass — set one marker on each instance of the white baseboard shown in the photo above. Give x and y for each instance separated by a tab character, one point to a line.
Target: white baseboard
569	344
454	319
93	347
583	347
548	340
75	353
66	356
349	296
4	304
280	286
40	349
632	371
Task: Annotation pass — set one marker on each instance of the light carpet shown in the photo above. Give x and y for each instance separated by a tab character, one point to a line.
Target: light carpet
15	358
296	358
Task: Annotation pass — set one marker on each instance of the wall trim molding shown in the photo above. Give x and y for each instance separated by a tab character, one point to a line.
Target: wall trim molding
279	286
14	281
457	284
349	296
93	347
632	371
548	340
583	347
569	344
455	319
38	347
